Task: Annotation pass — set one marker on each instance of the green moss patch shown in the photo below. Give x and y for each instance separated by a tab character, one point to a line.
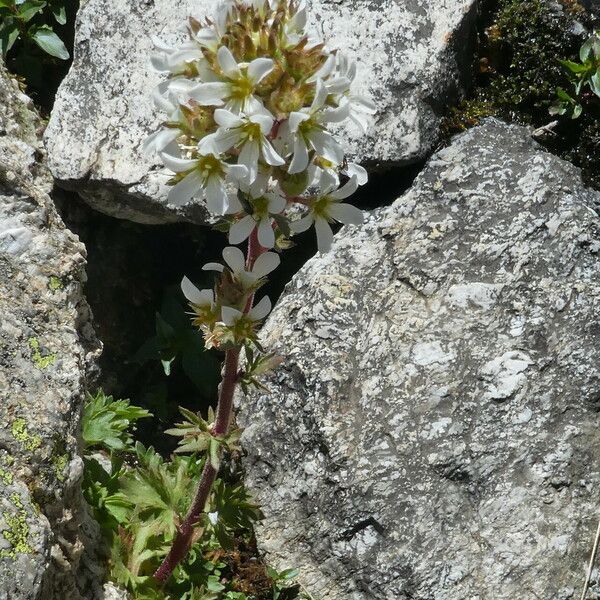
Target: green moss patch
518	72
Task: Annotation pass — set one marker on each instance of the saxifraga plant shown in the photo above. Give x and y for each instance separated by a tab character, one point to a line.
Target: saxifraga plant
250	98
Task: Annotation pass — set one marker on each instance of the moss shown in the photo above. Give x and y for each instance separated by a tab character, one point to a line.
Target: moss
20	433
41	361
521	42
55	283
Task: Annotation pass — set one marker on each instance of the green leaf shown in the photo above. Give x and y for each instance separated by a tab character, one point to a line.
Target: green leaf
7	3
595	83
29	9
106	422
9	32
49	42
577	111
586	49
60	13
573	67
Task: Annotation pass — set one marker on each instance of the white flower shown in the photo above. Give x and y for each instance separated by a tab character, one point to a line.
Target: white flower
234	257
200	298
328	207
205	177
175	60
248	134
360	109
305	130
264	206
161	140
317	172
237	91
232	316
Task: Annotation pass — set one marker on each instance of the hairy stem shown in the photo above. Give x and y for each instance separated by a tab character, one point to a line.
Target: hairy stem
183	538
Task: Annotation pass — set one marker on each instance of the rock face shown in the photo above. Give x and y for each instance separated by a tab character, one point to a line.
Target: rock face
45	340
433	432
411	58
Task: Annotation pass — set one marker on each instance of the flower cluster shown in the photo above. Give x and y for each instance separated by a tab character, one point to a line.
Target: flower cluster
250	98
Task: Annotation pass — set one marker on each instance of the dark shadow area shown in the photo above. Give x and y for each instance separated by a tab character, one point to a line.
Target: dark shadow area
133	277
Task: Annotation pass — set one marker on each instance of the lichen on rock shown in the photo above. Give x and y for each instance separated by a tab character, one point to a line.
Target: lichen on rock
46	341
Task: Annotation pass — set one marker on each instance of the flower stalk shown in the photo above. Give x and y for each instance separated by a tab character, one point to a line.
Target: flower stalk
185	532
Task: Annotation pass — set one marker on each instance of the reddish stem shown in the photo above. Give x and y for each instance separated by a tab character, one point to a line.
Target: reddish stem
183	538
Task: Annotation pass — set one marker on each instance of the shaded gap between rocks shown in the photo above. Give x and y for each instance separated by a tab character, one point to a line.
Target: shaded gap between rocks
134	271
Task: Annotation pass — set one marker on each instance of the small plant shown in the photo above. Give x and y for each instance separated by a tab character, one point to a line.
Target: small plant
584	77
139	499
31	21
249	100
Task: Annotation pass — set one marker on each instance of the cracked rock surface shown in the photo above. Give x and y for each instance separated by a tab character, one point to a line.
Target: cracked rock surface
412	57
45	341
433	432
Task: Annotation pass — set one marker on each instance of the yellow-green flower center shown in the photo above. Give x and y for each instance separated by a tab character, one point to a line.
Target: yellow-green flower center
241	88
210	166
261	207
320	207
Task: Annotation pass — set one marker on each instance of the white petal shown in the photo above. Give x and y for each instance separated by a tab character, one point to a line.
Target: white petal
266	236
338	85
261	310
364	104
228	63
237	173
326	146
324	235
259	68
300	160
303	224
159	62
178	165
345	213
320	96
157	141
194	295
161	98
359	172
295	119
234	257
325	70
346	190
362	120
335	115
265	263
249	158
235	206
265	122
213	267
223	140
276	203
227	119
209	94
230	315
328	181
241	230
185	189
217	199
271	157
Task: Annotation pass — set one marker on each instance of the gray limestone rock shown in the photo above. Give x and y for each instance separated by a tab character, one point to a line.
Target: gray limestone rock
45	341
433	432
412	57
